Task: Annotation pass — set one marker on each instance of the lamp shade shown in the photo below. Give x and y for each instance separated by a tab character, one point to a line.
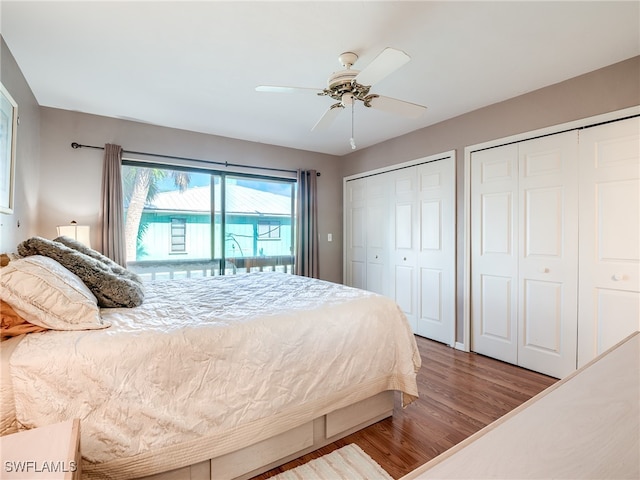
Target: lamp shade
81	233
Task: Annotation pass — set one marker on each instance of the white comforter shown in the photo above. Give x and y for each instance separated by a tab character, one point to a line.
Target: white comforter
207	364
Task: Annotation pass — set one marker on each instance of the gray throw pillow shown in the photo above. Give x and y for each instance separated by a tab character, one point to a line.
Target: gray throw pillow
111	286
82	248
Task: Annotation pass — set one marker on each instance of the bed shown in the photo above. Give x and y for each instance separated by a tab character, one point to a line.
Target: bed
217	377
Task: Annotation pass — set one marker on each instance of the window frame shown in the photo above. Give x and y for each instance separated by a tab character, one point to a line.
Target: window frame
223	175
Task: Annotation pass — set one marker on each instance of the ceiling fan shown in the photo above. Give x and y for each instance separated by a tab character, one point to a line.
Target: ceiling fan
348	86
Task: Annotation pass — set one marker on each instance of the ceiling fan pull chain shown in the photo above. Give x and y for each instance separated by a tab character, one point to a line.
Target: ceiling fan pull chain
352	139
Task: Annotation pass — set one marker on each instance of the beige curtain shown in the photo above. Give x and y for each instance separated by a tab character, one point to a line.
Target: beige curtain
112	205
307	237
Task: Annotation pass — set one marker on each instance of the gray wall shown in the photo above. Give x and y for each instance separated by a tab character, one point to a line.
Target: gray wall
606	90
72	189
56	184
23	222
611	88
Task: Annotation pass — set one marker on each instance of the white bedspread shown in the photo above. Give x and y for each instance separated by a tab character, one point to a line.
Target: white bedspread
205	365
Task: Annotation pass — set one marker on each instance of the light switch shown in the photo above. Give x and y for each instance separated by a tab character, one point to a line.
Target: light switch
330	237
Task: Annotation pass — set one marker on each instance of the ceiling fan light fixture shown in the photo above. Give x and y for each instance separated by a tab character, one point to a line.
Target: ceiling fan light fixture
347	99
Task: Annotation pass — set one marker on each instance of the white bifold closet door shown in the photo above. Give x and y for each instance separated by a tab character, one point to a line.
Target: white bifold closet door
524	258
610	247
366	234
548	257
355	244
437	251
400	241
423	247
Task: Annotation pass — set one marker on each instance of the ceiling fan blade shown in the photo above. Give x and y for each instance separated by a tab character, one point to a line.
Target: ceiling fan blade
278	89
328	117
388	61
399	107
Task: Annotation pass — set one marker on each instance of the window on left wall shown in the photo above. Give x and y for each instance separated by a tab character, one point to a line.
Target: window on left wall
183	222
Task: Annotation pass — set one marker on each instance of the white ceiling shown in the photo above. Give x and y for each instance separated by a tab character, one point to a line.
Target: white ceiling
195	65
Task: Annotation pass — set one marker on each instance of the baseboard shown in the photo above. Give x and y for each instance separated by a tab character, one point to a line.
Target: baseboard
460	346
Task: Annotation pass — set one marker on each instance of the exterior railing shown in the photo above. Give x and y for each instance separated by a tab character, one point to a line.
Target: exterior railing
174	269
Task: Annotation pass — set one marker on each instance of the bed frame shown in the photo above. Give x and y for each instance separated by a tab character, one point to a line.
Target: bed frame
260	457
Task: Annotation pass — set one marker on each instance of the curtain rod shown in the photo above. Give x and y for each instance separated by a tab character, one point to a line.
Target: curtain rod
207	162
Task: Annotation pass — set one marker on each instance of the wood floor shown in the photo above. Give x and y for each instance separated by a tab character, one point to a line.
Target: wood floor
459	394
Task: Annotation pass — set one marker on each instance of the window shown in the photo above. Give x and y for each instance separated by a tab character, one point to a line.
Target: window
178	235
233	222
268	229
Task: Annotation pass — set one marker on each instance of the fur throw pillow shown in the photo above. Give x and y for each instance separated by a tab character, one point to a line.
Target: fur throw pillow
82	248
110	285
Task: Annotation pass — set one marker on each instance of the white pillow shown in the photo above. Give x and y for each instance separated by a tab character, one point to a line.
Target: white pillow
45	293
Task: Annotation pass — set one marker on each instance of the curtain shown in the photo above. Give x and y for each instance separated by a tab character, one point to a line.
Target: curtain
112	205
307	238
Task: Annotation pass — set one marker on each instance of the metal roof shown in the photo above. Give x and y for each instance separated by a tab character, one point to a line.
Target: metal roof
239	200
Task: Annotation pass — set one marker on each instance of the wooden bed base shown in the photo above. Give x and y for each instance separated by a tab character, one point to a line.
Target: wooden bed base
280	449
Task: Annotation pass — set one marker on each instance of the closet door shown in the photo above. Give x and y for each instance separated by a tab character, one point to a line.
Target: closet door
610	239
548	254
366	233
404	223
356	233
436	254
524	253
376	234
400	241
494	255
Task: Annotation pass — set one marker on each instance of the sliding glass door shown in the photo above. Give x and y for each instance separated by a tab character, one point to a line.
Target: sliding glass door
256	223
185	223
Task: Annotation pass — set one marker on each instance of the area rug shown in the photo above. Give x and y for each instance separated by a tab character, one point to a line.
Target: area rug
347	463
